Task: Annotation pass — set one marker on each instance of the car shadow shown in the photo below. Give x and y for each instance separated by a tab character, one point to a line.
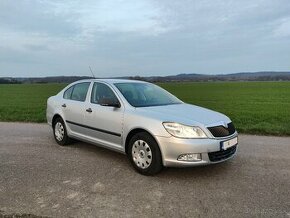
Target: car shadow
200	171
97	149
220	169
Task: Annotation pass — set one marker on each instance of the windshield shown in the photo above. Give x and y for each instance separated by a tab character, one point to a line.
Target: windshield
146	94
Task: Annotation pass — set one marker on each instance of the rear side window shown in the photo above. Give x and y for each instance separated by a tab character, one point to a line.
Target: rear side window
77	92
68	92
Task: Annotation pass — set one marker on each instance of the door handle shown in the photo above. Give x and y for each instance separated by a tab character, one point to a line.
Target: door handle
89	110
64	105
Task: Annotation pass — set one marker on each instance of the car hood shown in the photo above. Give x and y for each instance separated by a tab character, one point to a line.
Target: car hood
185	113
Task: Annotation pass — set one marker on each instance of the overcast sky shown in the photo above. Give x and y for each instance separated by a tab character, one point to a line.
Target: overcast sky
143	37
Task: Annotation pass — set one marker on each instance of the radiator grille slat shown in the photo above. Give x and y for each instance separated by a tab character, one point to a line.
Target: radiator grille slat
221	131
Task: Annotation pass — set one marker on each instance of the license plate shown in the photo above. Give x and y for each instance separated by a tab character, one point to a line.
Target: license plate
230	143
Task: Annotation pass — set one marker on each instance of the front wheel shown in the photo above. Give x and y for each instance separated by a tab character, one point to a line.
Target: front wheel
60	133
144	154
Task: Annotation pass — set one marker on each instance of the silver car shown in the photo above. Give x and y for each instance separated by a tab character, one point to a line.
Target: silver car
145	122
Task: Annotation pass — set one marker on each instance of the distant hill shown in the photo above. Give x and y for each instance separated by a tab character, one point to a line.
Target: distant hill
53	79
242	76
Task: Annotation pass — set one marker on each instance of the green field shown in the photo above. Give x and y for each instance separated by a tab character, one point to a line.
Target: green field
255	107
26	103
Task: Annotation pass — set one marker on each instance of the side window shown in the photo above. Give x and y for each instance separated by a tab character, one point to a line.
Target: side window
100	92
79	91
68	92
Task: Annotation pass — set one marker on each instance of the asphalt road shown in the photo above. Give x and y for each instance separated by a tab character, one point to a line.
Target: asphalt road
39	177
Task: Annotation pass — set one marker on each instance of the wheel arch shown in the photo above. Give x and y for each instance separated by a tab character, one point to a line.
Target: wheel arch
55	117
133	132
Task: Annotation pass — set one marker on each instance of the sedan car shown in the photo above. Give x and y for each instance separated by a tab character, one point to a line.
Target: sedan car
148	124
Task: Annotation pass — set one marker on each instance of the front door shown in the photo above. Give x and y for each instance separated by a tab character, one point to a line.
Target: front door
105	122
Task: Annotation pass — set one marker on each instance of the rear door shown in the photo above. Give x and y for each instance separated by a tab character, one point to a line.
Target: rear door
74	106
105	122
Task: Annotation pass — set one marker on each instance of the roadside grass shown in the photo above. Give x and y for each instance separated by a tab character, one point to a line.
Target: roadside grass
254	107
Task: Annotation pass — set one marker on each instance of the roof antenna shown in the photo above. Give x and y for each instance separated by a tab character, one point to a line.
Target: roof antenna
92	72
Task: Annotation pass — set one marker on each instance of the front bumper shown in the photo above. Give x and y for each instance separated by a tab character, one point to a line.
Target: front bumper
172	147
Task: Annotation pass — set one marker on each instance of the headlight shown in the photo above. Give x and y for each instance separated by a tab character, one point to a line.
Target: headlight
183	131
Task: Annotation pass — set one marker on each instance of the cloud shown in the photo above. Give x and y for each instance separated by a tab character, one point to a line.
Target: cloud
283	30
128	37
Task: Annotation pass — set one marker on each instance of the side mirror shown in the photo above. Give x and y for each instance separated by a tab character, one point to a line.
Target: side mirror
110	102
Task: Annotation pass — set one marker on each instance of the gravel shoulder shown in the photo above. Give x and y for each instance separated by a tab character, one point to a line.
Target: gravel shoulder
39	177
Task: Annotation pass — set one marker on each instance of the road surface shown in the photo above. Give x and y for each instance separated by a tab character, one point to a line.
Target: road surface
39	177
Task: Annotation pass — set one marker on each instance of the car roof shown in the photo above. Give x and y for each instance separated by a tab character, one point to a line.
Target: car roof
111	81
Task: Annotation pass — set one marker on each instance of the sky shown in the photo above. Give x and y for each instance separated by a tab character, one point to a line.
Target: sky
143	37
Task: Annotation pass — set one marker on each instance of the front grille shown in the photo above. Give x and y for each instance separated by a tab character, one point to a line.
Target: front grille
221	155
221	131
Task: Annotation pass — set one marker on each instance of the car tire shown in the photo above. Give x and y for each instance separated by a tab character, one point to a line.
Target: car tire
144	154
60	132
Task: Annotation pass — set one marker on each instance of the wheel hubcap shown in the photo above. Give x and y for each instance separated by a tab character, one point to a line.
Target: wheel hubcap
59	131
142	154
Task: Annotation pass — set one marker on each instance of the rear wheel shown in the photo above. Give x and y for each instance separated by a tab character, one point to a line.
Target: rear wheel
144	154
60	133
